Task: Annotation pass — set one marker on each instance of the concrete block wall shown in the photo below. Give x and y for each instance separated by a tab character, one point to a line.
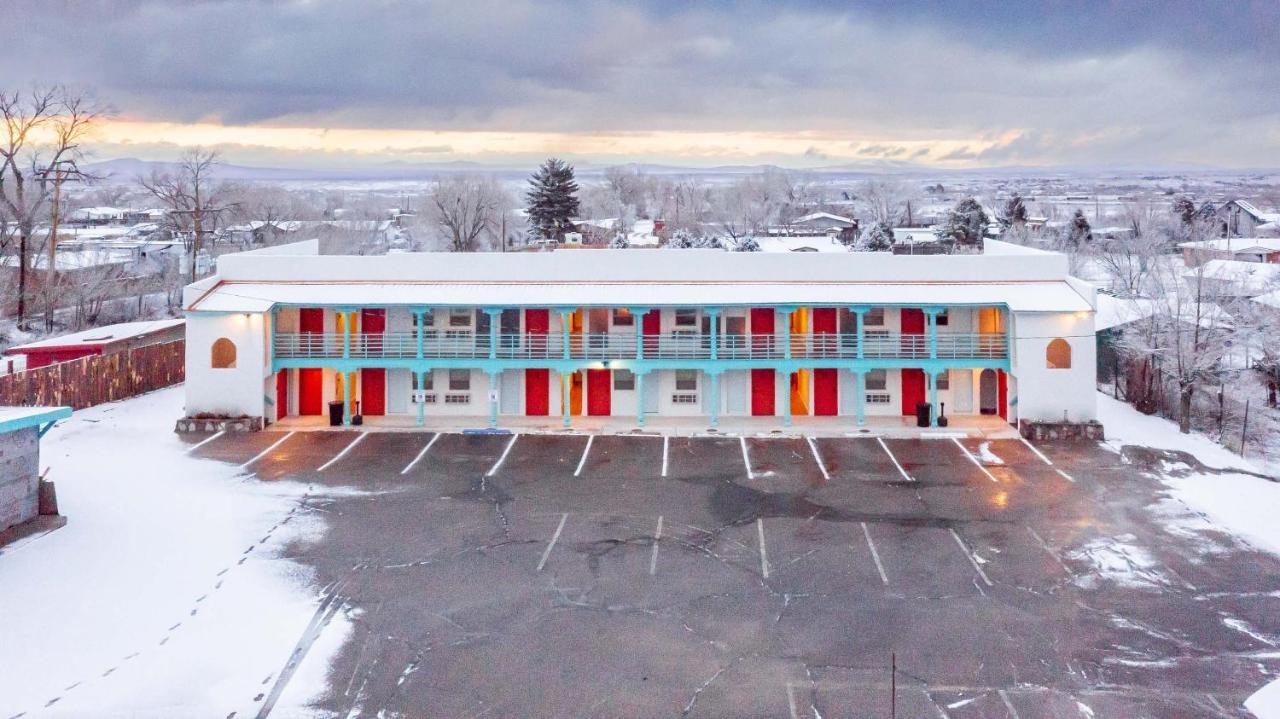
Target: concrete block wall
19	477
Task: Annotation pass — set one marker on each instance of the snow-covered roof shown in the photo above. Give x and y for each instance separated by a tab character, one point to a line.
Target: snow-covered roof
1235	244
1269	299
77	259
16	418
1245	276
101	335
1261	215
1115	311
812	243
824	216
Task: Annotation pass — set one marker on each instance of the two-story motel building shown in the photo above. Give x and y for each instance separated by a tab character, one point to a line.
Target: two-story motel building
634	334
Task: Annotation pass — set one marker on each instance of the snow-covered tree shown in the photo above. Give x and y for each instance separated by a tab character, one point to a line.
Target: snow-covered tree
467	209
681	239
1078	232
747	244
966	223
1015	212
707	242
619	242
1184	208
883	199
552	199
877	238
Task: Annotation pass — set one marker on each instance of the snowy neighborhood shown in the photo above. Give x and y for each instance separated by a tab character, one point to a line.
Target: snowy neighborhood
610	360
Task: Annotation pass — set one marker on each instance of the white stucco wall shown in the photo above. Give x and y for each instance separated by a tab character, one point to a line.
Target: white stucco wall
236	391
1044	393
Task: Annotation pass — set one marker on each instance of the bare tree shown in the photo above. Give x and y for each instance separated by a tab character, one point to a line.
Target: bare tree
884	198
43	130
465	209
194	200
1128	263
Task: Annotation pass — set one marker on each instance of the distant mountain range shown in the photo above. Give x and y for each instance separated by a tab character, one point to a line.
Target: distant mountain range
128	169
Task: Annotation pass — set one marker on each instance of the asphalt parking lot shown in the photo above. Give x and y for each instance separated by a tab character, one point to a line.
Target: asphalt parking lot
560	575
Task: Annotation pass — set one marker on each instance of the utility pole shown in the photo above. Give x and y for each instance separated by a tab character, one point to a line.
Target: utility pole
60	175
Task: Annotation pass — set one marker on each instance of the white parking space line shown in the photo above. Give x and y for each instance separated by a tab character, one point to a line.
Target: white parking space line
791	700
205	441
764	553
421	454
901	471
1008	704
874	554
975	461
813	446
1038	453
746	458
972	560
343	452
653	558
585	451
666	444
554	538
1064	475
1045	545
267	451
494	470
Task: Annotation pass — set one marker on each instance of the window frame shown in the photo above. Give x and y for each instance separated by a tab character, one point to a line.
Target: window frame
624	380
456	386
218	358
1052	358
687	374
691	313
883	384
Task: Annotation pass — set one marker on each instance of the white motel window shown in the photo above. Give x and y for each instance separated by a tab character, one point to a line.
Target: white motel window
428	380
428	318
624	379
686	380
874	317
686	318
943	381
459	380
943	319
460	317
877	379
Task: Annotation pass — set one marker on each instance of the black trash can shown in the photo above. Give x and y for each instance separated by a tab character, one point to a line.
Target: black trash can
923	410
335	414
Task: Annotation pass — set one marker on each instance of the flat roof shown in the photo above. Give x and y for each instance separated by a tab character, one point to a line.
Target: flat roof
1044	296
13	419
99	336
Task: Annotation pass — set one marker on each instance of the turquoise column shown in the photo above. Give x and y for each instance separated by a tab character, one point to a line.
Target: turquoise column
933	398
858	313
860	404
564	396
786	372
638	314
421	315
640	396
422	382
713	398
564	331
348	390
346	335
493	399
495	319
786	397
786	331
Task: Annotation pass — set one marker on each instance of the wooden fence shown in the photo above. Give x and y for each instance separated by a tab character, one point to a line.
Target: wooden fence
94	380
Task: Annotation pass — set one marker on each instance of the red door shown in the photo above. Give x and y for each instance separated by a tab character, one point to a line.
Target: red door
912	390
598	392
1003	387
282	394
824	320
373	391
536	322
826	395
912	321
763	389
310	391
311	319
651	326
762	319
537	387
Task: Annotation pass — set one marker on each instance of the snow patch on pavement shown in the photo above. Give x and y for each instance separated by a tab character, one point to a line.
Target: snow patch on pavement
165	594
1118	560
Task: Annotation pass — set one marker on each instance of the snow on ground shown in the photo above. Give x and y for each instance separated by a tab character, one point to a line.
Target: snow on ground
1241	504
146	604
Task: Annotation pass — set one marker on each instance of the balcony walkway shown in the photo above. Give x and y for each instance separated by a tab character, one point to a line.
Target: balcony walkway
984	426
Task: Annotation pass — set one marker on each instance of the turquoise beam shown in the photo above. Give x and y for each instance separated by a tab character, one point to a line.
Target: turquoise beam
786	396
564	399
640	398
564	333
495	319
714	313
860	401
346	337
858	312
786	332
422	406
932	315
637	314
713	397
493	399
348	390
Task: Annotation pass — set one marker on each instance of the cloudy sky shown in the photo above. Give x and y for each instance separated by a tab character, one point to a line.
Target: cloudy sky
330	83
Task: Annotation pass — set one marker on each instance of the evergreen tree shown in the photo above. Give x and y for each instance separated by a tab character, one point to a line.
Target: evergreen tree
877	238
1185	209
619	242
681	239
1079	232
966	223
747	244
552	198
1015	212
1207	212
